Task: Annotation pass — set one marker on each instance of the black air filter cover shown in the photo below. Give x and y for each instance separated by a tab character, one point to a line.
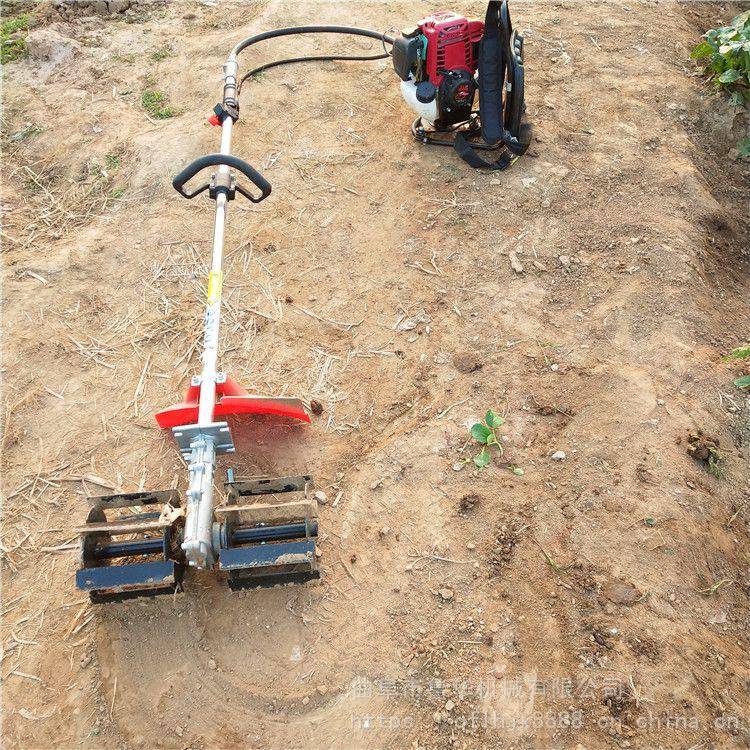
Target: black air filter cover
405	54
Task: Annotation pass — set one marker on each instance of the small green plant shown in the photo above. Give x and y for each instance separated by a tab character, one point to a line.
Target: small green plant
112	162
12	42
726	52
159	55
741	352
155	103
485	434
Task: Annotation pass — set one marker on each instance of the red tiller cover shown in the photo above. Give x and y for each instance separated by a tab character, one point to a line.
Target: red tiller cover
231	398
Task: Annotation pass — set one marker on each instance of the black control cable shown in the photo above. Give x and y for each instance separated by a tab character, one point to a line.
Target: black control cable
351	30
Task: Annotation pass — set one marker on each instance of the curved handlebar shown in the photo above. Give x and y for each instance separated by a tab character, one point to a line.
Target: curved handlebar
214	160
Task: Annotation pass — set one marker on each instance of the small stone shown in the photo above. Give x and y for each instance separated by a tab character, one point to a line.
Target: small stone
564	260
515	264
539	266
449	705
384	531
178	730
471	545
558	456
322	689
446	594
437	717
212	664
305	701
321	497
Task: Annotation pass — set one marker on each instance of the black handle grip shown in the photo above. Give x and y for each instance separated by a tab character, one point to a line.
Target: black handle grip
215	160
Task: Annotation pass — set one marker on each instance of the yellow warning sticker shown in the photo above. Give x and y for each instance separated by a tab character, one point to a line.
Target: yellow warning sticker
214	287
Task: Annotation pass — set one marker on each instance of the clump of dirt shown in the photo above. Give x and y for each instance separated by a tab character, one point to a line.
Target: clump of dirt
467	362
619	699
642	645
621	592
469	502
706	451
550	409
506	540
71	8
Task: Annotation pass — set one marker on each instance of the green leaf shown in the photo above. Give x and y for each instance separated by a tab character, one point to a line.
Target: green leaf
649	521
704	49
744	148
741	352
492	439
480	432
517	470
494	420
730	76
482	459
743	382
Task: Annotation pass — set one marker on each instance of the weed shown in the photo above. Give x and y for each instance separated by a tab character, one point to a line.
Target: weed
741	352
555	566
726	52
27	132
160	54
118	193
711	590
12	41
112	161
154	102
715	465
485	433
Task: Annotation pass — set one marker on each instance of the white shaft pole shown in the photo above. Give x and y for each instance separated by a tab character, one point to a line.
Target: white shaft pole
213	308
199	519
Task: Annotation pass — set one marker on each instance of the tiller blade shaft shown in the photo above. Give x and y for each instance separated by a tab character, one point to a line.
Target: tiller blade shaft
253	548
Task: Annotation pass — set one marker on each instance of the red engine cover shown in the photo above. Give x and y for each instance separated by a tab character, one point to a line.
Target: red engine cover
450	43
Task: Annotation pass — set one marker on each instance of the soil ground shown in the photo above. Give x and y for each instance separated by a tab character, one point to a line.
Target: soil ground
598	601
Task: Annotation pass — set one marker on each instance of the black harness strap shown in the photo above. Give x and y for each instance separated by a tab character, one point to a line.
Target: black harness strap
491	63
501	107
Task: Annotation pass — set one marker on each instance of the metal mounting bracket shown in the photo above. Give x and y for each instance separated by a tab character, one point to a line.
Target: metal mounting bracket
219	432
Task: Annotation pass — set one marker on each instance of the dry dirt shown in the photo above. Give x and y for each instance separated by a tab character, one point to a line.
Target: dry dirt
598	601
